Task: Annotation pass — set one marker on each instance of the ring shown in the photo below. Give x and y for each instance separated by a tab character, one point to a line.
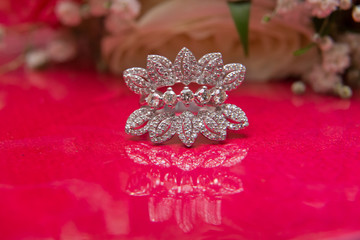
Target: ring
164	114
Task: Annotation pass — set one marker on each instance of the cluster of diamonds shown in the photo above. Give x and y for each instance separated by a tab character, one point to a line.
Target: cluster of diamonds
158	116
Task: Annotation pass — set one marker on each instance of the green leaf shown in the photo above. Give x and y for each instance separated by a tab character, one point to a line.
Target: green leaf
240	11
303	50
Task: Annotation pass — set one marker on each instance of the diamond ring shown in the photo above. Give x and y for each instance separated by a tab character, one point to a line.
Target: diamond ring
164	114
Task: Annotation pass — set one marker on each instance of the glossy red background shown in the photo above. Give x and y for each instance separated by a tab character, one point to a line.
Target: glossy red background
65	169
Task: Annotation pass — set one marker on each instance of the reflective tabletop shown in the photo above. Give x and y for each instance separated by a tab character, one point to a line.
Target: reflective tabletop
69	171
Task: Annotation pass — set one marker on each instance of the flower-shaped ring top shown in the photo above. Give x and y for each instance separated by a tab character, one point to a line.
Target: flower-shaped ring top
186	113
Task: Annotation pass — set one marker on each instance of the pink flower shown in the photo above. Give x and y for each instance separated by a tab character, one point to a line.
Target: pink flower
321	80
337	59
285	6
206	26
117	25
68	13
322	8
61	50
127	9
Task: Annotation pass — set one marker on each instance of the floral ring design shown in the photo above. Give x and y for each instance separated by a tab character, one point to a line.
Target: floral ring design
186	114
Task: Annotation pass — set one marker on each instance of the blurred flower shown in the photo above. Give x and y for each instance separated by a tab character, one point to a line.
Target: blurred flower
322	8
68	13
126	9
325	43
36	59
117	25
284	6
321	80
337	58
98	7
207	26
61	50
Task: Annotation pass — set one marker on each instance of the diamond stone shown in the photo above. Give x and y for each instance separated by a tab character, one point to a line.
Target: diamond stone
202	96
170	97
219	96
153	99
186	95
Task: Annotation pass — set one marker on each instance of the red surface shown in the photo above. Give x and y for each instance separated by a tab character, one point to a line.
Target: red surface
67	168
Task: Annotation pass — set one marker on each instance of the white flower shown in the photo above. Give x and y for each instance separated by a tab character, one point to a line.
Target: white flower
337	58
126	9
68	13
206	26
322	8
321	80
36	59
61	50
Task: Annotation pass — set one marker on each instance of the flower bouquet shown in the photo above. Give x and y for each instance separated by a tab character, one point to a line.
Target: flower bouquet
314	41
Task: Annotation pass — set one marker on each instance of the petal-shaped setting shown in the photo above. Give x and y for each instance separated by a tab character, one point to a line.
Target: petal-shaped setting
237	117
137	80
185	67
188	126
160	70
234	75
213	125
161	127
136	124
211	67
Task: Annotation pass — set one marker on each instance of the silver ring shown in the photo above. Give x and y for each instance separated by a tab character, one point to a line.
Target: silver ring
186	113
